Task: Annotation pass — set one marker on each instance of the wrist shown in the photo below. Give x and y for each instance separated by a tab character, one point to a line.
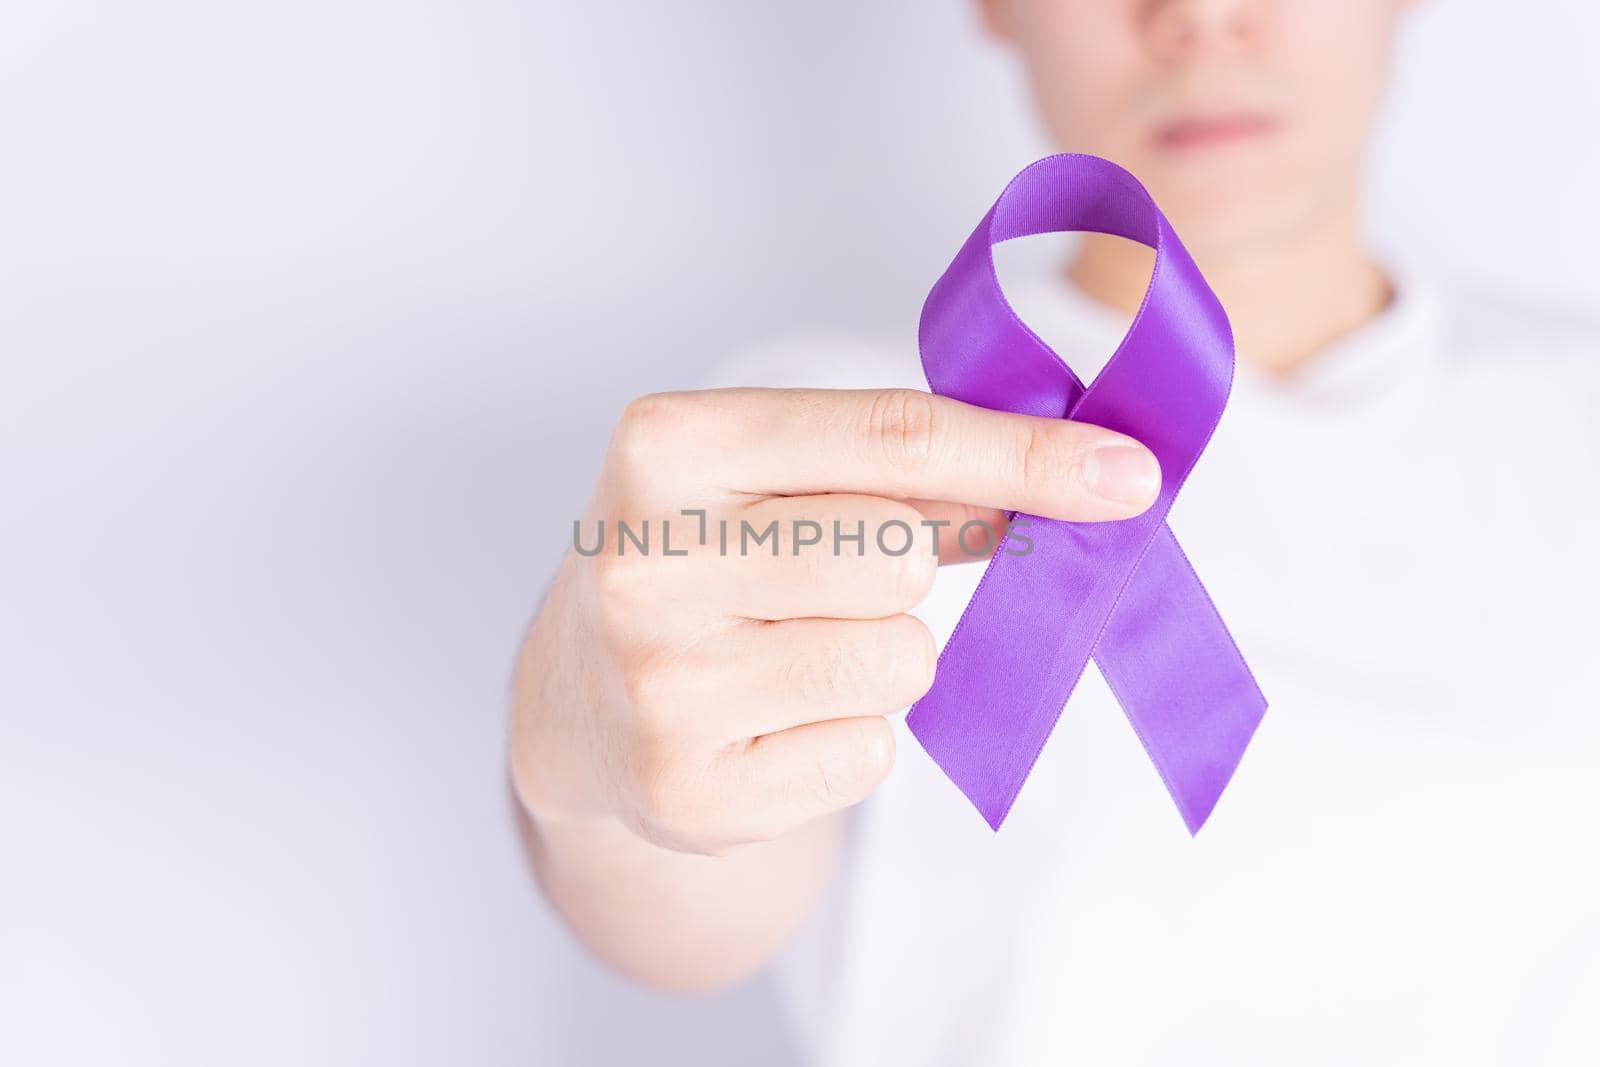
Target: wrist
554	750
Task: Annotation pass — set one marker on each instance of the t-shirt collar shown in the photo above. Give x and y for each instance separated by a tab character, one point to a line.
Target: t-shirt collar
1370	361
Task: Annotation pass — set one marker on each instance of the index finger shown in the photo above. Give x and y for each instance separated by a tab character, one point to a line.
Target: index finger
906	444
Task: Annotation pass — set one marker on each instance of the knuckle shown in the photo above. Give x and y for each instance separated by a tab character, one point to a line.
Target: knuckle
1043	465
649	690
900	424
666	801
647	425
662	807
621	584
827	673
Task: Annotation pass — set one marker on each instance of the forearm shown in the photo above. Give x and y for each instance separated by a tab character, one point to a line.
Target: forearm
676	920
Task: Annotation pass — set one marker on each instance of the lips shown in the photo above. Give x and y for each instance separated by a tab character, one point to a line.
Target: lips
1214	131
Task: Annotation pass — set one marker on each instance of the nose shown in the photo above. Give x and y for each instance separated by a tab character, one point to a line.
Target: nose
1178	28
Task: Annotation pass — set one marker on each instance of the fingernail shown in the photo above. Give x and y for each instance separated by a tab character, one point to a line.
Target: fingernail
1126	474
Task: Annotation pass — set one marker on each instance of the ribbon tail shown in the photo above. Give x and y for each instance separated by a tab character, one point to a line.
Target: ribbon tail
1015	656
1173	666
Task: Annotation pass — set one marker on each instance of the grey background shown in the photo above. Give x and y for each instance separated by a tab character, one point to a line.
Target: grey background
313	319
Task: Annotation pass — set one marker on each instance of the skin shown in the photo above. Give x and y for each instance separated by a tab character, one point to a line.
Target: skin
1273	219
686	732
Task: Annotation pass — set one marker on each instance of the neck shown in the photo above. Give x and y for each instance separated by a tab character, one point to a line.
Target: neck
1287	298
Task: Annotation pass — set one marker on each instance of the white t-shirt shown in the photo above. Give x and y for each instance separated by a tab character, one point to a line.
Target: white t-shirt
1406	867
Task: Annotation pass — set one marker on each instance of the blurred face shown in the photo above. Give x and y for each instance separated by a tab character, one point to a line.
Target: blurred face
1245	118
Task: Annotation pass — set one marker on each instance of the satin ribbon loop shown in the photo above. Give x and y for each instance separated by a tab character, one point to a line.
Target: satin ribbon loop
1121	592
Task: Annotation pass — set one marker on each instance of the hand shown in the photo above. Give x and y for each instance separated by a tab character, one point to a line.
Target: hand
718	698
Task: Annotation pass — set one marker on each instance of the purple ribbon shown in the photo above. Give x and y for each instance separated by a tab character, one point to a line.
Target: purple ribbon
1122	591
